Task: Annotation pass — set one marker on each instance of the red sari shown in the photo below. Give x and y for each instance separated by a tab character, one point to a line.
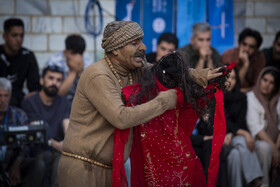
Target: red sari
162	154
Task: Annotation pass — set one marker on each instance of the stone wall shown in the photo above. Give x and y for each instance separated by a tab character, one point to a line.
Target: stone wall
48	22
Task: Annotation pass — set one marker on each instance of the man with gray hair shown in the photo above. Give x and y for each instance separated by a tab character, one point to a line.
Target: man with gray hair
201	54
99	108
20	169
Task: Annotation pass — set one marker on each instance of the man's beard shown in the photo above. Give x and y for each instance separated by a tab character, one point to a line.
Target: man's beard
51	91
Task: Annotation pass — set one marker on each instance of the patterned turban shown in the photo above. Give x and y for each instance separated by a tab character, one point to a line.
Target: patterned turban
122	36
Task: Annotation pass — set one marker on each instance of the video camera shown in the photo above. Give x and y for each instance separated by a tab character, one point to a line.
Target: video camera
35	134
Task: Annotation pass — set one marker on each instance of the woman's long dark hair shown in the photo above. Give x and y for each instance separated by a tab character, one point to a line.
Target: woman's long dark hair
173	71
237	86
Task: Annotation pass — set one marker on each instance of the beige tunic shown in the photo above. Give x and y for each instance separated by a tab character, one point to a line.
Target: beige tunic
97	110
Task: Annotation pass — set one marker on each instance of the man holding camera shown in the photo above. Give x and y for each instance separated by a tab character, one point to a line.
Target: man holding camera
16	166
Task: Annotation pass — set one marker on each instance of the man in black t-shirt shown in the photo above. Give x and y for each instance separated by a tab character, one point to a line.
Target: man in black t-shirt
48	106
18	64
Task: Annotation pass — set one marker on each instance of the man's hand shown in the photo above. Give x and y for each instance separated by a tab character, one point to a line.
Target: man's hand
205	53
249	141
170	96
14	174
205	59
30	94
275	157
56	144
244	57
214	73
75	63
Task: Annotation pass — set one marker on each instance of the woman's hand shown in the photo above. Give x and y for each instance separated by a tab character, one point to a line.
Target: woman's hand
275	157
249	141
228	138
278	142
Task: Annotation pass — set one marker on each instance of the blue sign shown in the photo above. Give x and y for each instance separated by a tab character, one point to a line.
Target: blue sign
158	19
129	10
189	12
154	16
220	17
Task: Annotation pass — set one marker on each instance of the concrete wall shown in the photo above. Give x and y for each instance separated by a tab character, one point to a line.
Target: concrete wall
262	15
48	22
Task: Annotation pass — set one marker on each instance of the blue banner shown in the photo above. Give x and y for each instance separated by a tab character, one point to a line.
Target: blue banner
129	10
220	17
188	13
154	16
158	19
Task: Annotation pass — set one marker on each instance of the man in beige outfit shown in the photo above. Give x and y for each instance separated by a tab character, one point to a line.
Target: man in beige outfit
98	107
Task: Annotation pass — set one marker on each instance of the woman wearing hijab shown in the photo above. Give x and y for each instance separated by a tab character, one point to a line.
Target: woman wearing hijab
242	160
263	120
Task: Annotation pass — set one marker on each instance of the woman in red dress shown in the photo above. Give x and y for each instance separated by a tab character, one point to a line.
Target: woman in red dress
162	154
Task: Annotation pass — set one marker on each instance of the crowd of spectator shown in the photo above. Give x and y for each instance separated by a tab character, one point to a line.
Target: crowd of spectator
48	100
251	151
